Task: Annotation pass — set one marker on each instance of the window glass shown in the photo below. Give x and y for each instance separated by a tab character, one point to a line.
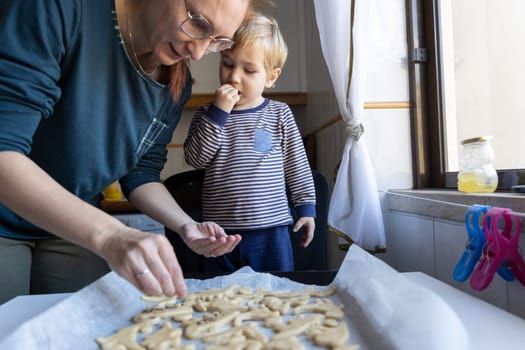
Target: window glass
482	66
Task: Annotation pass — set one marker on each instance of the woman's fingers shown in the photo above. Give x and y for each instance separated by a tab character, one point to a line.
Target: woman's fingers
209	239
174	274
211	229
220	246
231	242
147	283
149	263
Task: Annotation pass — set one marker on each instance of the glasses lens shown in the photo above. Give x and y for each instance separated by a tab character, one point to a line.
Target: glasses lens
196	27
220	44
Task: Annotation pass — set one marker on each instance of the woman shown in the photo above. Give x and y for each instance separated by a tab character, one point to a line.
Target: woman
90	92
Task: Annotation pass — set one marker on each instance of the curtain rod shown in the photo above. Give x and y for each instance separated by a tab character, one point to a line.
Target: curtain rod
367	105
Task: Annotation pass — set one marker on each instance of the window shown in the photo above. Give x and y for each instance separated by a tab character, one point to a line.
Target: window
467	76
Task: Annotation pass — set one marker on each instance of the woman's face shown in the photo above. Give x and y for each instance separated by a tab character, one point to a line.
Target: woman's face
162	20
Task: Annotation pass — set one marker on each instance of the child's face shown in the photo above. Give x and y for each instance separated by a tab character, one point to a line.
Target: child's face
243	68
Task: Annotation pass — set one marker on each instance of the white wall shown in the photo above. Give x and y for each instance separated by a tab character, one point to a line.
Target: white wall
414	243
290	15
387	131
291	18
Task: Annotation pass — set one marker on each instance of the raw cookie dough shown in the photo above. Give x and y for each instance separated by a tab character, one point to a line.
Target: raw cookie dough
236	318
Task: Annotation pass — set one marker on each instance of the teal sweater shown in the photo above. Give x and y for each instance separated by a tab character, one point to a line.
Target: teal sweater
72	100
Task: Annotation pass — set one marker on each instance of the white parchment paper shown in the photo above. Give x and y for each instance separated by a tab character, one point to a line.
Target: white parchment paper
384	310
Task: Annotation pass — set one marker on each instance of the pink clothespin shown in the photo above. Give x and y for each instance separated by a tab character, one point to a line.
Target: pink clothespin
502	247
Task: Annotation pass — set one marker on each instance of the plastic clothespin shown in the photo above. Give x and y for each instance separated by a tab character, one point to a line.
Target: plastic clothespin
509	238
504	270
474	245
502	248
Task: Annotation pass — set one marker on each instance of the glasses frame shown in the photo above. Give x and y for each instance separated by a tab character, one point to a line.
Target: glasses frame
216	44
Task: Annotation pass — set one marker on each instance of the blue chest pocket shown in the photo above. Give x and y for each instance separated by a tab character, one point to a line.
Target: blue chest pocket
262	141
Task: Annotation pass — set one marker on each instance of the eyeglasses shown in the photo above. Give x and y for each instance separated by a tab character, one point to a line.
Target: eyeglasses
198	27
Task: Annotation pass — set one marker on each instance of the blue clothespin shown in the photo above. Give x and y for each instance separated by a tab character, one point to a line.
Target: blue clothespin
474	247
475	242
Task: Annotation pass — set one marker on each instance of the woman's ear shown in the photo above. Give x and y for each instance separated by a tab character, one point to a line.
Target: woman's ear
270	83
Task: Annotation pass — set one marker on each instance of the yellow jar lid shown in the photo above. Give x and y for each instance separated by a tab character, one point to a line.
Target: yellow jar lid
476	139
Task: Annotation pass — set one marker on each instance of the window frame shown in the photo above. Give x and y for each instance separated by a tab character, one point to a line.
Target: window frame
426	112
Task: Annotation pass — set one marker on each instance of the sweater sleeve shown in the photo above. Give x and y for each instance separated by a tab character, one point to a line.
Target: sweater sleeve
34	36
204	136
297	171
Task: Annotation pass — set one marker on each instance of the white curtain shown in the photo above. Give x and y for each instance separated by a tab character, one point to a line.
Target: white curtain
355	209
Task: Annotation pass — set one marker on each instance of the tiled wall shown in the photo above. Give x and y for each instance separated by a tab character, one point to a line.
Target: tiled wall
434	246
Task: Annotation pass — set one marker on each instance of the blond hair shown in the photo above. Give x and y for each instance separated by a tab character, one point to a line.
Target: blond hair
178	71
263	31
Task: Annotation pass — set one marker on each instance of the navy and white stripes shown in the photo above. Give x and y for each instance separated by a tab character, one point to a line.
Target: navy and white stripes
250	157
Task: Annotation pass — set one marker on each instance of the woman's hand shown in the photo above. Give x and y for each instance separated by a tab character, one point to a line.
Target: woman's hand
147	260
208	238
204	238
309	228
154	252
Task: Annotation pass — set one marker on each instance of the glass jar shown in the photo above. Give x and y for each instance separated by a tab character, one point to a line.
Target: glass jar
477	174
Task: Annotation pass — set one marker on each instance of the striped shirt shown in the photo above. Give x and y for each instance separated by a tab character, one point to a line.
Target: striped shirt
251	157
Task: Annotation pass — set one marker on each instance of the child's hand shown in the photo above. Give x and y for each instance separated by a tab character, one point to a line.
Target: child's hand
226	97
309	228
